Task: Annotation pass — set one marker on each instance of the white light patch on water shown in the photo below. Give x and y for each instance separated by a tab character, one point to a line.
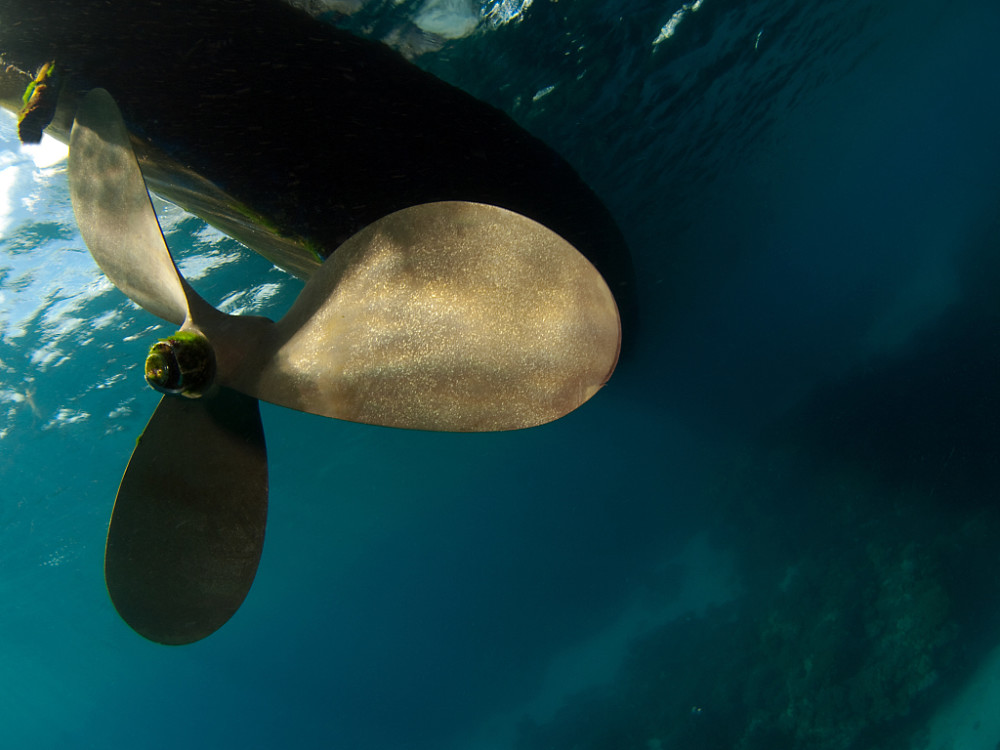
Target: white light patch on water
11	397
195	267
319	7
501	12
541	93
15	169
250	302
451	19
49	355
124	409
147	332
209	235
111	381
266	292
8	178
66	416
105	319
679	15
48	153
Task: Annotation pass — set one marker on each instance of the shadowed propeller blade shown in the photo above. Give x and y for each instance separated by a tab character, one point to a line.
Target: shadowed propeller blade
187	528
114	214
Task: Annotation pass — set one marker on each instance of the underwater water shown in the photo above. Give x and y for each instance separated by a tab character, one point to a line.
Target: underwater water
774	528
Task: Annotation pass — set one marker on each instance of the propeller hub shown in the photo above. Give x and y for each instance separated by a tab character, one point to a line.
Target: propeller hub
182	364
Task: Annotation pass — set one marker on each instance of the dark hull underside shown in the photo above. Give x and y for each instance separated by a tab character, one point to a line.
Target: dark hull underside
290	134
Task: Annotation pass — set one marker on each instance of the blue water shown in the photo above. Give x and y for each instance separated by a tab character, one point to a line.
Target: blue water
771	529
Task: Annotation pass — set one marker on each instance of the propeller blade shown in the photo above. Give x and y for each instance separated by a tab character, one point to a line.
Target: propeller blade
444	316
114	214
187	528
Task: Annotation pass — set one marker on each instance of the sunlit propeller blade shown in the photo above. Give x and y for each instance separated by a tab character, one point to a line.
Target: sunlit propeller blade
188	524
114	214
445	316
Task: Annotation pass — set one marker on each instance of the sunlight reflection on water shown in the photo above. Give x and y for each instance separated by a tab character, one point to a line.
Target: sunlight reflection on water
56	306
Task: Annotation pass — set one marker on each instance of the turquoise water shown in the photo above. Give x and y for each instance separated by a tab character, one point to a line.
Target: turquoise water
774	528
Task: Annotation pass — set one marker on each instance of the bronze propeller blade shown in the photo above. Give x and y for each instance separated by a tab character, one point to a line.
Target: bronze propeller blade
187	528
